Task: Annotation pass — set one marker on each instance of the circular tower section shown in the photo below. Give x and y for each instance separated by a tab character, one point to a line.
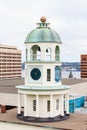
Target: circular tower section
43	53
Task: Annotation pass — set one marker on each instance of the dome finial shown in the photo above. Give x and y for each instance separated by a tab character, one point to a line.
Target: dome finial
43	19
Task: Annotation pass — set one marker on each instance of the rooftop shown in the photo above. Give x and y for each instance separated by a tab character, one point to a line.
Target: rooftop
43	33
73	83
8	47
75	122
43	88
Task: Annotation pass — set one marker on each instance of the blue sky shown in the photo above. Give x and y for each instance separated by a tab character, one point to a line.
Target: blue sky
67	17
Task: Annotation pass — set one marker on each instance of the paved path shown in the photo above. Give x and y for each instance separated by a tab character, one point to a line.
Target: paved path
13	126
75	122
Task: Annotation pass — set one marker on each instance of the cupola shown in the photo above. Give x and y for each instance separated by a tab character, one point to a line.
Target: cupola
43	33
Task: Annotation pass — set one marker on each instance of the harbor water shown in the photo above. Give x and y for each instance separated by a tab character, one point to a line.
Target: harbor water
76	74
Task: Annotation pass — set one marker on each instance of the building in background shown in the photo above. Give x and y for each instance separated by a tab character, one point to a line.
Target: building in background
84	66
10	62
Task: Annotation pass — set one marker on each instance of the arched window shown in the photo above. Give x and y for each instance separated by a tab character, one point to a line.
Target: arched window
48	54
35	53
57	53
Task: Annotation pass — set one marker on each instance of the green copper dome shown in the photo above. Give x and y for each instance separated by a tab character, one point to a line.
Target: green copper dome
43	33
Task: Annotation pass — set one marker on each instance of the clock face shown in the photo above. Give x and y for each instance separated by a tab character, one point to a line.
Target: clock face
57	73
35	74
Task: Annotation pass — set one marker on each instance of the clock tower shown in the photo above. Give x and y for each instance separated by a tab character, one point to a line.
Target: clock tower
43	92
43	65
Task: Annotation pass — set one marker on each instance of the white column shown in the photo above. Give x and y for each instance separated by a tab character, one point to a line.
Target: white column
62	105
37	105
67	103
25	104
51	105
25	73
43	55
53	55
53	75
28	55
19	103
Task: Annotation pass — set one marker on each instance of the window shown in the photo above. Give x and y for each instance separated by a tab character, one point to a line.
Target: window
34	105
57	73
35	53
48	105
57	104
48	74
57	53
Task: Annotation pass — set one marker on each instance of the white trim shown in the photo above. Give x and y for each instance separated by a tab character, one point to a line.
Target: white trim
37	105
19	103
51	105
25	105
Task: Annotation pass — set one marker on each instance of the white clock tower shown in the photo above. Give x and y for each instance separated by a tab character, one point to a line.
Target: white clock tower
43	96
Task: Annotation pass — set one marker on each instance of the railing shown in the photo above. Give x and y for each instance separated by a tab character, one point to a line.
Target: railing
35	57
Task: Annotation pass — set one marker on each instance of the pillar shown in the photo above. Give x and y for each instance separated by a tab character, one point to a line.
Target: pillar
25	105
37	105
28	55
43	54
62	105
67	103
53	54
26	73
19	103
51	105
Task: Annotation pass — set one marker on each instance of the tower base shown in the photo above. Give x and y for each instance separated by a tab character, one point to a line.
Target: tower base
39	119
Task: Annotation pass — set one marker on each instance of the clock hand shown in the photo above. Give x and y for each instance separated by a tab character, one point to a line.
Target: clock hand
36	73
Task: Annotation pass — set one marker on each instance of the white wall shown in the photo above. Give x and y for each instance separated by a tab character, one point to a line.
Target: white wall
42	106
30	106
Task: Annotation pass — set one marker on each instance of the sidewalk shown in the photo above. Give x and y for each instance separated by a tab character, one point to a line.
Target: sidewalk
75	122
